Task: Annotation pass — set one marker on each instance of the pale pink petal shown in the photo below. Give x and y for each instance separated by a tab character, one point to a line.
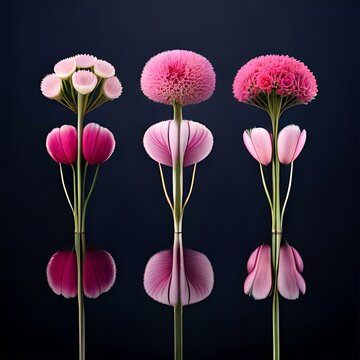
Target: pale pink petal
252	259
62	273
112	88
104	69
287	142
298	260
156	142
64	68
261	139
99	273
249	145
300	144
98	144
85	61
51	86
199	144
84	81
178	148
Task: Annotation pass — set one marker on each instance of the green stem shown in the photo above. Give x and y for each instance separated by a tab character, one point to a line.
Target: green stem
164	188
287	193
191	187
266	190
65	190
178	333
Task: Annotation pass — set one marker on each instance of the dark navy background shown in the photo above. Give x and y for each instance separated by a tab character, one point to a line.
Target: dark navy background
228	213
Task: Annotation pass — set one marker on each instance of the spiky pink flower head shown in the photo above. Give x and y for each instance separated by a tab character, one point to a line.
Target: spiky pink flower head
62	274
85	61
258	283
98	143
281	74
51	86
180	274
161	142
112	88
61	144
99	273
104	69
65	68
259	144
290	281
290	143
84	81
180	76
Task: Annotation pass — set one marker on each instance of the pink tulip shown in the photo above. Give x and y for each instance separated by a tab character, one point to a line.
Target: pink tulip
258	283
112	88
290	143
62	274
84	81
98	143
65	68
104	69
61	144
161	142
178	275
99	273
290	281
259	144
51	86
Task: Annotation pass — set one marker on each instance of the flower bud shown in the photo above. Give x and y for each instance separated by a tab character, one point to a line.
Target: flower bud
259	144
290	143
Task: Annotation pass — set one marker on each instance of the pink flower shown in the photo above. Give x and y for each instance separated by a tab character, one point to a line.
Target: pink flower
99	273
180	274
65	68
258	283
51	86
290	143
84	81
85	61
280	73
62	274
290	281
178	76
161	142
61	144
259	144
98	143
112	88
104	69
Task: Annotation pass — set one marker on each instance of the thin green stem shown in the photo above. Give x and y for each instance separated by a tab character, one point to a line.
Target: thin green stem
287	193
164	188
65	190
84	180
75	198
191	187
266	189
178	333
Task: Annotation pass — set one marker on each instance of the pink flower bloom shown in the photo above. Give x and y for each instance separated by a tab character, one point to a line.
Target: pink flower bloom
65	68
62	274
259	281
259	144
98	143
290	281
61	144
104	69
51	86
161	142
99	273
280	73
290	143
178	76
187	271
112	88
85	61
84	81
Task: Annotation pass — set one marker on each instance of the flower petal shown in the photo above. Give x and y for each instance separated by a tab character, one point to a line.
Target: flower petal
178	150
112	88
300	144
51	86
287	142
249	145
261	139
84	81
64	68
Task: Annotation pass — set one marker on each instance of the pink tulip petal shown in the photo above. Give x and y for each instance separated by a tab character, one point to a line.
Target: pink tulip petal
104	69
300	144
62	273
199	144
249	145
99	273
51	86
287	142
262	144
84	81
176	149
252	259
64	68
112	88
298	260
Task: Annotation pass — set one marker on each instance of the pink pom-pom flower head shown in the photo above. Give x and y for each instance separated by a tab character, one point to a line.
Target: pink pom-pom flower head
98	144
180	76
258	141
280	75
290	143
161	142
61	144
51	86
258	283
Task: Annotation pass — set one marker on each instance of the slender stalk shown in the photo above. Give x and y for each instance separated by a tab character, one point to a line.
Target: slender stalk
191	187
178	333
287	193
266	190
65	190
164	188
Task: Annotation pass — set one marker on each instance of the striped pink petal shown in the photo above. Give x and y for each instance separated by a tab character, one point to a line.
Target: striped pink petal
84	81
62	274
259	144
65	68
258	283
104	69
99	273
112	88
290	280
85	61
184	276
51	86
98	143
61	144
290	143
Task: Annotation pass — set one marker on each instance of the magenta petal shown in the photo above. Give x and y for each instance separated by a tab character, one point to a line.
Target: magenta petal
62	274
259	281
199	144
99	273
